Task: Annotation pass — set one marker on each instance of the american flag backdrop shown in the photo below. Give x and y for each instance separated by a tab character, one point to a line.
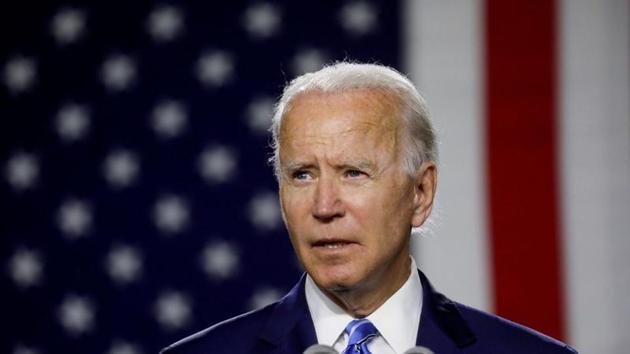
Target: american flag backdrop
137	206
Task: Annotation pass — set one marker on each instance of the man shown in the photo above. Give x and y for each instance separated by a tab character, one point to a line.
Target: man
355	158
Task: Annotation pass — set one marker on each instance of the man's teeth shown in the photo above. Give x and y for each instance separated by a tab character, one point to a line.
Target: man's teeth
335	244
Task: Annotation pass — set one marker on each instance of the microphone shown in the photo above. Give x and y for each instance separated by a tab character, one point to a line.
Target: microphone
320	349
419	350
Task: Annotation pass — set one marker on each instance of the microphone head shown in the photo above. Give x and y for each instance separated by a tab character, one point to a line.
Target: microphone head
419	350
320	349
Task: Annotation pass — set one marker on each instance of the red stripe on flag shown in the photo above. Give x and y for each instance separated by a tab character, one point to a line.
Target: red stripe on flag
520	107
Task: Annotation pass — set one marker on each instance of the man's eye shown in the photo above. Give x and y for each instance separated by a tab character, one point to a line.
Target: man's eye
300	175
354	173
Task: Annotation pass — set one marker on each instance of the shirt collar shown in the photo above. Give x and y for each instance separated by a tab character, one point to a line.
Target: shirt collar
397	320
329	319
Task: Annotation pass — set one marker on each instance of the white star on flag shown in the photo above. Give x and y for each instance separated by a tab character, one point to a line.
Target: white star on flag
118	72
22	171
173	310
358	17
123	347
165	23
215	68
217	164
264	211
124	264
22	349
259	114
68	25
263	297
76	314
262	20
25	267
220	260
171	214
73	122
74	218
308	60
19	74
121	168
169	118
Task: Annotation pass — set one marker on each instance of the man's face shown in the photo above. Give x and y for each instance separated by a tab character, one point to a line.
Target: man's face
347	203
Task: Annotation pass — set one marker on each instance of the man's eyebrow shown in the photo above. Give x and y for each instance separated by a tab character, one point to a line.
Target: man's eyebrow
292	166
360	164
295	165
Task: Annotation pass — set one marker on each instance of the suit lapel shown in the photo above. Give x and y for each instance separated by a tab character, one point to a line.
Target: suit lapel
442	328
290	327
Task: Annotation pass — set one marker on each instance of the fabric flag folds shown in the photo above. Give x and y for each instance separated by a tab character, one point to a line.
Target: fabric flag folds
530	99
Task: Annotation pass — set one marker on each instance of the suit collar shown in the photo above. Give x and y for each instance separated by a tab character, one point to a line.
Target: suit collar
290	325
441	324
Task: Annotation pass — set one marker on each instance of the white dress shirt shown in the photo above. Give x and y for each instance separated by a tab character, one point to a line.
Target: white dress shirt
397	320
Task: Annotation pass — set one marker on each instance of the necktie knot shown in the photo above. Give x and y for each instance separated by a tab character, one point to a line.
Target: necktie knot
360	332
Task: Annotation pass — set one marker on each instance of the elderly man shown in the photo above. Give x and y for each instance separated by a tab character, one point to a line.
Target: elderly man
355	157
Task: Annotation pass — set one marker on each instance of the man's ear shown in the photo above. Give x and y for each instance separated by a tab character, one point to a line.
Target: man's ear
425	184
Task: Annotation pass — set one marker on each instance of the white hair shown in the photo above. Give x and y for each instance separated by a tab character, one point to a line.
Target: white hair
419	142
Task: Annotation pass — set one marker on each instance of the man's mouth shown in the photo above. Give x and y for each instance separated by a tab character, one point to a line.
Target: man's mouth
332	244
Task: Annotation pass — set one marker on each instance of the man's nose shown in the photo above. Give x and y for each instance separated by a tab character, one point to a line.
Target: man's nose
327	204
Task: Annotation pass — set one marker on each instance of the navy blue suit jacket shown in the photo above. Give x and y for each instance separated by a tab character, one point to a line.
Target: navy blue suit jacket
446	327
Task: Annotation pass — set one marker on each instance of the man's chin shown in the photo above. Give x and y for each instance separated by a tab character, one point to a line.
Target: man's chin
340	277
336	285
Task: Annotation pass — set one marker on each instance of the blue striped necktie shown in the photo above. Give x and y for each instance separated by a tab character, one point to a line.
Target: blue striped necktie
360	333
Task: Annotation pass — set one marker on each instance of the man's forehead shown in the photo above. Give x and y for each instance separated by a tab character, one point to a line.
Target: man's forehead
368	108
356	128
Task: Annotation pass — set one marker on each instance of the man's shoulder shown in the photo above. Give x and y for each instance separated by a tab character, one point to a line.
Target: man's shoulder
503	335
236	334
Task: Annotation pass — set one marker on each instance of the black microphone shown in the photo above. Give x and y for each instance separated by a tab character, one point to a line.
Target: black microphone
419	350
320	349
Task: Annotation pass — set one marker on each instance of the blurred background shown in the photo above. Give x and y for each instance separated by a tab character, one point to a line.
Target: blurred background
137	205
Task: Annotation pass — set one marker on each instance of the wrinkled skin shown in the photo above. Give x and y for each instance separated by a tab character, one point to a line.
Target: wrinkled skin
346	201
